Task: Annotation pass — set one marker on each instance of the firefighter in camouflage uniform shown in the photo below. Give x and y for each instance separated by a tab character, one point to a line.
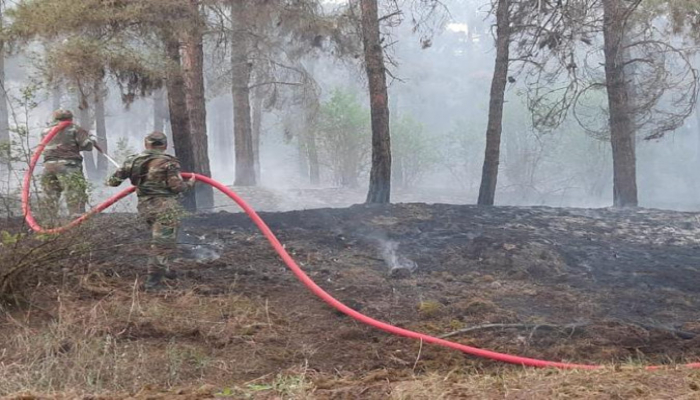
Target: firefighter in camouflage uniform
158	182
63	166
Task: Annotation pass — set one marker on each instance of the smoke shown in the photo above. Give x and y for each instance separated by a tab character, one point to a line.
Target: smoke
199	249
204	254
443	94
395	261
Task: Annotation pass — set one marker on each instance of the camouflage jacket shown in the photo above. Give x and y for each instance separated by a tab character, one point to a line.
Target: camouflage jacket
154	173
67	144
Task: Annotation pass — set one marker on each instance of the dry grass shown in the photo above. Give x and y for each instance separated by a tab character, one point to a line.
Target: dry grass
135	345
510	383
100	336
429	308
125	342
27	260
514	383
130	344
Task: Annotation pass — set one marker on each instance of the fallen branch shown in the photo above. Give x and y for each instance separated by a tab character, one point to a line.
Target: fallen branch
511	326
572	327
681	334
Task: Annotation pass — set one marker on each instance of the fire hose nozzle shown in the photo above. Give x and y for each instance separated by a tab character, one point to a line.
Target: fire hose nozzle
110	159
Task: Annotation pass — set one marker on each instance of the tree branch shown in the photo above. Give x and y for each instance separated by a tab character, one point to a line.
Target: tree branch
572	327
275	83
510	326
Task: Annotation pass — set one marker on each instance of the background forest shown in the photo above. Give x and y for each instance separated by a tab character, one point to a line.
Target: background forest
275	94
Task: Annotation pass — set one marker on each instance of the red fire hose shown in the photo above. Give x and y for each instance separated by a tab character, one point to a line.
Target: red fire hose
289	261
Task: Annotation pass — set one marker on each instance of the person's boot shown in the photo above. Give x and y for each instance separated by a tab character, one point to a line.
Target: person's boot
163	264
154	281
170	274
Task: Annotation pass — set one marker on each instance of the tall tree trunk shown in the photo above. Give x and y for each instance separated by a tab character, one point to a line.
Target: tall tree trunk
86	123
697	126
159	110
168	128
241	68
380	174
309	165
303	156
56	95
179	116
311	111
100	126
314	166
223	139
193	69
697	132
257	130
489	174
4	114
622	131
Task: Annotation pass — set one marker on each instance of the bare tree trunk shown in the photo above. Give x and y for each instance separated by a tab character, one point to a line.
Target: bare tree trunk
168	128
697	123
314	167
241	67
380	174
193	68
5	140
159	110
56	95
489	174
257	127
4	115
311	112
309	165
100	126
622	131
697	128
223	139
179	117
86	123
303	157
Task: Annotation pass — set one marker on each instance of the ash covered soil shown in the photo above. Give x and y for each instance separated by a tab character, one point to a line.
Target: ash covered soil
585	286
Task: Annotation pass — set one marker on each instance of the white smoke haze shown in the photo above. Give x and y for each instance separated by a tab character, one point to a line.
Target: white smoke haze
201	249
395	261
441	92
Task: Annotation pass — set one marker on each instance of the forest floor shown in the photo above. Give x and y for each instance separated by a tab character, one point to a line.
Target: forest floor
618	288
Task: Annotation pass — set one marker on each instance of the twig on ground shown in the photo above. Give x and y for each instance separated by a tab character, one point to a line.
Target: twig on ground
572	327
420	349
681	334
510	326
134	300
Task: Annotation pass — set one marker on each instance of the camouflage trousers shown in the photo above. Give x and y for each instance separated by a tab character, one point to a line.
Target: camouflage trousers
162	214
63	177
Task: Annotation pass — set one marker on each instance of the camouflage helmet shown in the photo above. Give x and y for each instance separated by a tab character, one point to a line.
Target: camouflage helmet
157	139
62	115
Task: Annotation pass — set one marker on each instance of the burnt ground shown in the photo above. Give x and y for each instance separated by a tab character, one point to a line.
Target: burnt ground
585	286
620	271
